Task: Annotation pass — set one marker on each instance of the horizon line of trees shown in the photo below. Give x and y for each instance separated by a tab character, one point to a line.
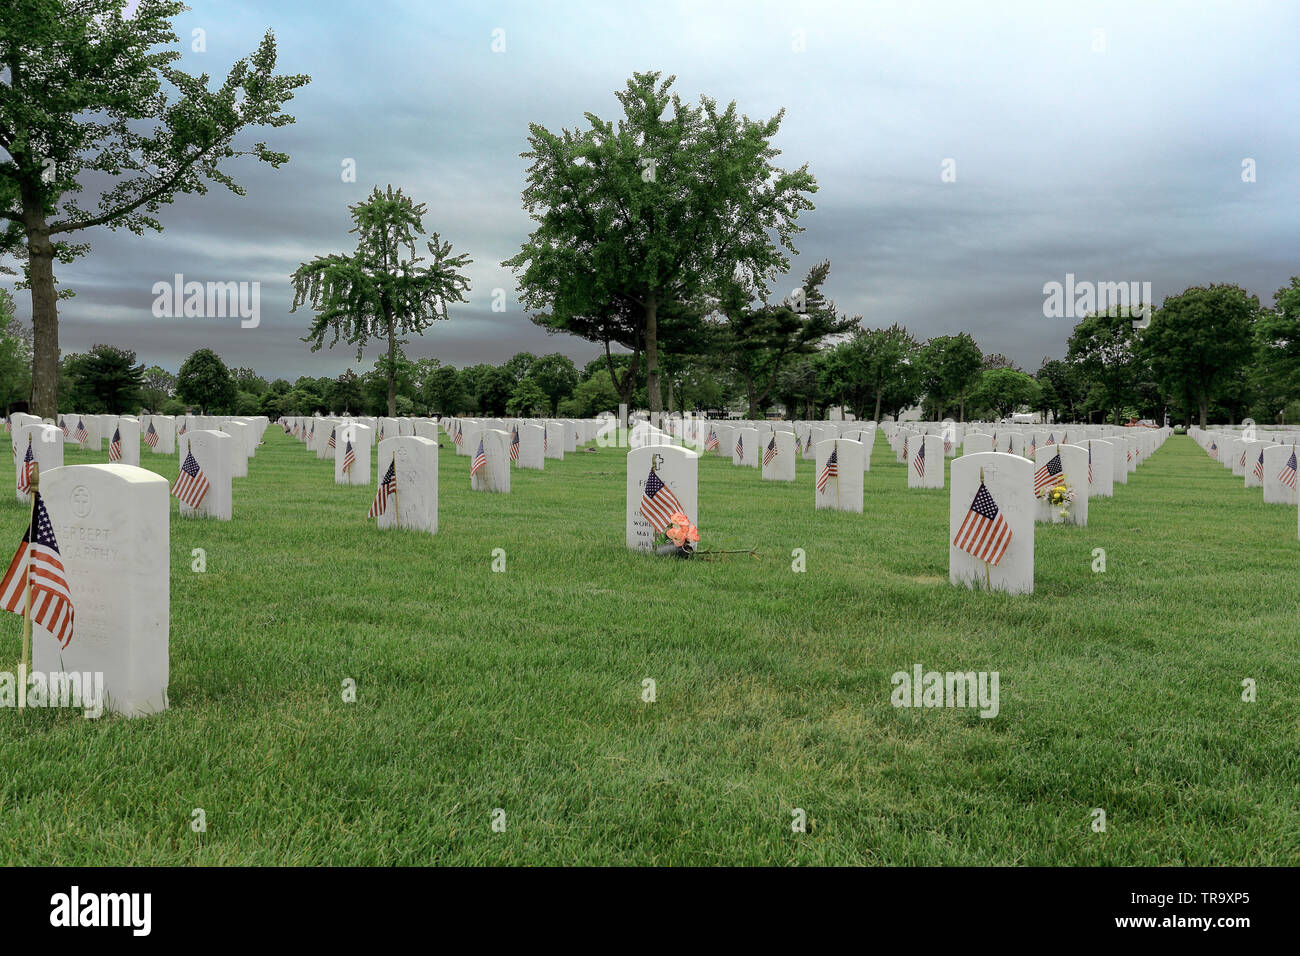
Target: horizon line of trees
1209	354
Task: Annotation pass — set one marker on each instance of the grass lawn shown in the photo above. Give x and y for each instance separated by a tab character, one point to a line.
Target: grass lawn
522	690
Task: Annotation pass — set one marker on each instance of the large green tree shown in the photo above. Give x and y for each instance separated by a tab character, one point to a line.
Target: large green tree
1103	349
1004	390
89	93
556	376
669	203
383	290
1199	341
205	381
108	381
950	369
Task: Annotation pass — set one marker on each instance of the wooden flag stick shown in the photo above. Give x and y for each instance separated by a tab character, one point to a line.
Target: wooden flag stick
27	611
988	584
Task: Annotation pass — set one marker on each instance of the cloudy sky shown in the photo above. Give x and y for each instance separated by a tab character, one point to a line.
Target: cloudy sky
1105	140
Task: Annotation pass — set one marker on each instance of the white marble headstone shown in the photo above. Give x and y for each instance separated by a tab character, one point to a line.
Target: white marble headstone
677	469
1009	481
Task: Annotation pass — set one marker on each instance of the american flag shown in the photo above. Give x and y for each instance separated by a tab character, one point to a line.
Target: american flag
1214	449
349	459
1130	456
947	444
798	444
381	432
905	438
770	453
1008	444
313	431
26	470
829	470
1259	466
1033	447
1047	475
1287	475
918	460
1089	464
740	447
386	487
1051	438
37	564
984	533
458	437
658	503
81	434
332	443
514	444
184	428
191	484
480	460
711	443
63	423
115	446
1243	458
151	436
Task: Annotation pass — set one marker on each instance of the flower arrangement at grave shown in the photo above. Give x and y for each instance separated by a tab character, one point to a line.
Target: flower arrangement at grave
681	540
1061	496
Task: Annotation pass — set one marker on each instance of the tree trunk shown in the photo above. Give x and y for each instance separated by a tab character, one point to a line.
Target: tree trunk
1204	402
45	311
879	393
392	366
652	357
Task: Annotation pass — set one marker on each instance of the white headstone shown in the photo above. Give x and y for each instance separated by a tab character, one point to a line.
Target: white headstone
779	460
1009	482
128	430
1103	468
46	442
744	447
677	469
359	437
976	443
239	437
1074	475
841	490
415	506
211	449
1254	468
925	462
495	473
531	452
1280	460
111	524
553	444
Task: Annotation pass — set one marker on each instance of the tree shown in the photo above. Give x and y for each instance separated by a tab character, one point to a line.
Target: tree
1103	350
82	99
381	291
107	380
950	367
658	209
444	392
158	386
346	394
755	341
249	381
1277	346
519	364
1005	390
528	399
875	365
593	396
15	356
206	383
556	376
1199	340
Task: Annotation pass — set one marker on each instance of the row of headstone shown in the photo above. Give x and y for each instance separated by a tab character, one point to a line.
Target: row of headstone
1264	458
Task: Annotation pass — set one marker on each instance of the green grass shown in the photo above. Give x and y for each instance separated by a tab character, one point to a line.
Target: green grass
522	690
